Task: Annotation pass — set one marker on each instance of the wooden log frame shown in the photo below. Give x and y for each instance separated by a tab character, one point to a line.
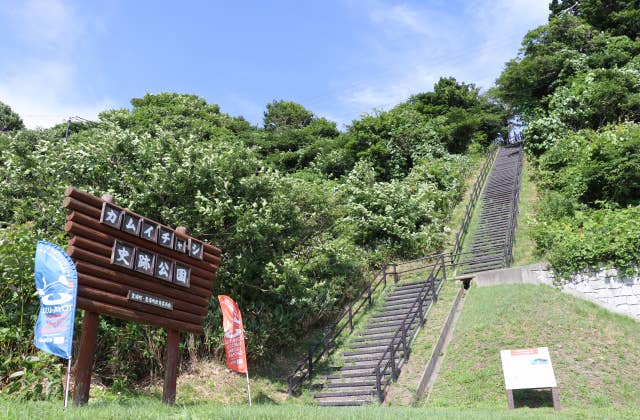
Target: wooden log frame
122	292
104	287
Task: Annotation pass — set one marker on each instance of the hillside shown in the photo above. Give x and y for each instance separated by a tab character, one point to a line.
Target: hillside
300	210
304	212
595	353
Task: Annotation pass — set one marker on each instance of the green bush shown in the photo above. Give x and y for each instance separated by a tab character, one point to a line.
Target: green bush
296	235
590	239
594	167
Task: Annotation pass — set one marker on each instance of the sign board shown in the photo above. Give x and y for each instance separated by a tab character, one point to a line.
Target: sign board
527	368
134	268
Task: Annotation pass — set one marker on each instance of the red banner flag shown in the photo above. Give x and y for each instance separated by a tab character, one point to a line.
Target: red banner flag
233	335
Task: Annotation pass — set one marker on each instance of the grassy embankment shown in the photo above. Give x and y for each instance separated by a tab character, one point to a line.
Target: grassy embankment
524	247
595	353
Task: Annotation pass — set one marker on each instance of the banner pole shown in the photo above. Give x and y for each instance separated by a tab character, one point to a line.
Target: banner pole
248	388
66	388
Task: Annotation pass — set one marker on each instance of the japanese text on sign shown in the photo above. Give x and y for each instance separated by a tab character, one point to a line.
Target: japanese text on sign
140	227
149	263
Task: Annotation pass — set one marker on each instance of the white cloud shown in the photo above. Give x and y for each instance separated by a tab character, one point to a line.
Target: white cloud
412	46
49	23
400	17
42	86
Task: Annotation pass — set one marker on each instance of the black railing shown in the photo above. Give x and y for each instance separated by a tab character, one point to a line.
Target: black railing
305	368
513	223
387	369
473	199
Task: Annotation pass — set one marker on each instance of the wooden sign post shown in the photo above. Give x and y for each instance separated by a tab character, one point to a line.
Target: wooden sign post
135	269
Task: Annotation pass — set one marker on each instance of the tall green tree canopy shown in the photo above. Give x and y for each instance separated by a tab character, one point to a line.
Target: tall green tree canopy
286	114
619	17
9	120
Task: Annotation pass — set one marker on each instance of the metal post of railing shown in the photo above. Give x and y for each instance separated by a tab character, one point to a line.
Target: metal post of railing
369	294
351	317
404	341
395	272
379	384
392	355
310	362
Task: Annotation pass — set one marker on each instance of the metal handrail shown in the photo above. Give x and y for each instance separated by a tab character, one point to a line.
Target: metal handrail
473	199
513	223
400	337
304	369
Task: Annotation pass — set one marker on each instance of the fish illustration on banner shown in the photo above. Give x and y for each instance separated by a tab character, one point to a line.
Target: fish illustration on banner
233	334
57	284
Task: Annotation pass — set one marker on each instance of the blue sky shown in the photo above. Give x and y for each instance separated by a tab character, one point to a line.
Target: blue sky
338	58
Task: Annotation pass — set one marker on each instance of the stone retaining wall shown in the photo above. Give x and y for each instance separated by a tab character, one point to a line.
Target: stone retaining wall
609	289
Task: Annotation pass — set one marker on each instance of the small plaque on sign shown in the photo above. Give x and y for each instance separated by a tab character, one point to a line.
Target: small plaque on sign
195	249
182	275
149	231
164	268
122	254
131	224
165	237
150	300
180	245
111	215
144	261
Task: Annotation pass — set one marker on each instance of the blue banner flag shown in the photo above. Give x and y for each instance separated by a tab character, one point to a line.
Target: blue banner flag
57	286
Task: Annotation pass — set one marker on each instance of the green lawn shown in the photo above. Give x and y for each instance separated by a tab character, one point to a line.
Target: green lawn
152	409
595	353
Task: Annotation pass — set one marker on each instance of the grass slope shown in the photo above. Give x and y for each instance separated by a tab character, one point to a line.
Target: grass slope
403	391
595	353
524	247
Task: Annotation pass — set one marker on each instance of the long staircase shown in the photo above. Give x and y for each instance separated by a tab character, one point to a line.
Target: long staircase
374	354
360	379
491	244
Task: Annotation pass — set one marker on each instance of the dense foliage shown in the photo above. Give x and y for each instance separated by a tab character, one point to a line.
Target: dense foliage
300	210
9	120
576	85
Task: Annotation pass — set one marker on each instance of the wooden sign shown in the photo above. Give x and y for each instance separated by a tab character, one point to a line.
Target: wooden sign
136	269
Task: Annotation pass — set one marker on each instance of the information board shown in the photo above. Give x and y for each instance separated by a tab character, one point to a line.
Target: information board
527	368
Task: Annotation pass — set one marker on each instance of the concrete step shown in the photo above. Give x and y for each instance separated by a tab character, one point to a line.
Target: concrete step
354	393
345	403
355	384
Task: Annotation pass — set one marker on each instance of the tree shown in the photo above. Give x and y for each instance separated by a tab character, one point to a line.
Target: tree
618	17
466	113
9	120
286	114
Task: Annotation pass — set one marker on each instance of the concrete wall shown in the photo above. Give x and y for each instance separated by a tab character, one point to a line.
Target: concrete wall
528	274
605	287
